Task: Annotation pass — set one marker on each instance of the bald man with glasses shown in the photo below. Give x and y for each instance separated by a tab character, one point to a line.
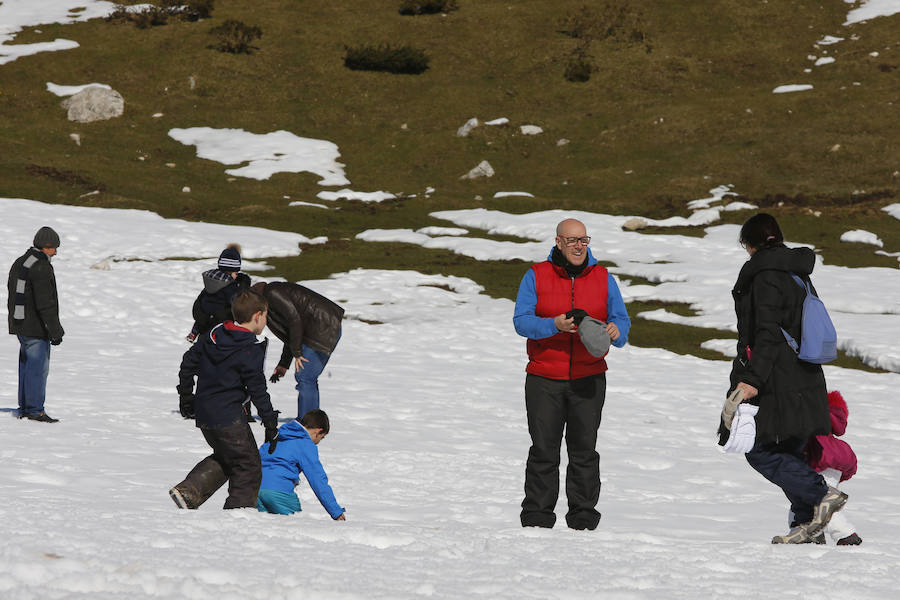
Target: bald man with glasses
565	384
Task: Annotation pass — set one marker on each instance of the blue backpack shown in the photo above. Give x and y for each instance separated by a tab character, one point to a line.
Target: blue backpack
818	339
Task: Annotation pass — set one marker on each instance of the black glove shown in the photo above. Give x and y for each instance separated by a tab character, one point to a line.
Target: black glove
278	374
186	405
578	314
272	434
56	341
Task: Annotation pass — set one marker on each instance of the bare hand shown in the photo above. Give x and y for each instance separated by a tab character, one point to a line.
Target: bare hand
298	363
613	331
564	324
343	517
749	390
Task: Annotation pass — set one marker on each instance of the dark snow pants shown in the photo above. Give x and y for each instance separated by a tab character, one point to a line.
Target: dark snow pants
235	459
553	406
784	464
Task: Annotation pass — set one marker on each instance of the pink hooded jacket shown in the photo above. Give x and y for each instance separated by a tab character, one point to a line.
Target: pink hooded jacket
828	452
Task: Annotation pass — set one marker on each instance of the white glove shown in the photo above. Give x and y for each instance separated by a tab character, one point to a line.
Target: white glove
743	430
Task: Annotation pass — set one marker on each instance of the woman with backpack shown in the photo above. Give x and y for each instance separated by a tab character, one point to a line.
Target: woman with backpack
786	395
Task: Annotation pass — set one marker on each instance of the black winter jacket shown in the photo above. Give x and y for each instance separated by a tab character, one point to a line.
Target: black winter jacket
793	399
41	300
298	316
228	364
213	304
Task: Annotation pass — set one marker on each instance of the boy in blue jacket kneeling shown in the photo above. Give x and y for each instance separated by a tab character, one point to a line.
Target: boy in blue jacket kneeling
295	452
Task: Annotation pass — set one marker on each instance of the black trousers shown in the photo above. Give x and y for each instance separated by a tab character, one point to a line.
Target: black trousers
554	406
235	459
784	464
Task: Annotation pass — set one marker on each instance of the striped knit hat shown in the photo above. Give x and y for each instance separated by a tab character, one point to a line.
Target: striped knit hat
230	260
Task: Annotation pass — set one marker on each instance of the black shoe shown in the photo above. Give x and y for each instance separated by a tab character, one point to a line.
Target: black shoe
42	417
850	540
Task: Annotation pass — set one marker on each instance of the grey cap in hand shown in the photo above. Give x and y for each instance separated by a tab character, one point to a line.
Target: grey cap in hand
594	336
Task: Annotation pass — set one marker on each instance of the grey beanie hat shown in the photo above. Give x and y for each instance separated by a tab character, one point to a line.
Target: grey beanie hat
594	336
46	238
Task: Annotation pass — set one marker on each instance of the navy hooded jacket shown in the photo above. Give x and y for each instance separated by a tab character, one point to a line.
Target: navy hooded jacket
294	453
228	365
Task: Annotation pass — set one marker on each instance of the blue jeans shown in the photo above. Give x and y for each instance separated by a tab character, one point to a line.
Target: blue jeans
279	503
34	366
308	379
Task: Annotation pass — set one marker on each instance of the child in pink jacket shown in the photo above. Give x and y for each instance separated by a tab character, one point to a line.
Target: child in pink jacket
835	460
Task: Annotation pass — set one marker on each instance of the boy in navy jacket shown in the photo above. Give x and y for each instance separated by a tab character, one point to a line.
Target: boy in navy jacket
228	365
294	452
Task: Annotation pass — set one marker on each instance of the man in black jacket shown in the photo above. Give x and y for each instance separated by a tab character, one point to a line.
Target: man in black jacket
34	317
228	365
309	324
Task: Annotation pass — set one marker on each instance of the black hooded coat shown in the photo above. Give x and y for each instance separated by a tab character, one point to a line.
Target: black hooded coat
793	399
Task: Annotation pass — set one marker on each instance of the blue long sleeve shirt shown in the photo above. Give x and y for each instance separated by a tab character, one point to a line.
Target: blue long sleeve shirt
529	325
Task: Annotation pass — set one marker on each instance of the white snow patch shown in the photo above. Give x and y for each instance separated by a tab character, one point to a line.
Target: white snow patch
530	130
71	90
871	9
500	121
90	234
893	210
726	347
18	14
302	203
860	236
436	231
829	40
347	194
267	154
794	87
825	60
733	206
509	194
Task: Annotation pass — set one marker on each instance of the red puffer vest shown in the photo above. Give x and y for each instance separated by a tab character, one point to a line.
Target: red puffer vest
563	356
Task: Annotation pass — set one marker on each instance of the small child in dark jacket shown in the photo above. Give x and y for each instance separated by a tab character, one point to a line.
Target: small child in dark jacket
220	287
296	452
228	365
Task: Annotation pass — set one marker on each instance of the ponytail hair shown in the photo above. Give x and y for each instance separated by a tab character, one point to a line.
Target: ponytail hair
761	231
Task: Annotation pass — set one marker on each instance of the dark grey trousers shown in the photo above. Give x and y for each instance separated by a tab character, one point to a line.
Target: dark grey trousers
553	406
235	459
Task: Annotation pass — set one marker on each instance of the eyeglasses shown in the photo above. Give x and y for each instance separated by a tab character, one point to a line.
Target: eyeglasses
571	241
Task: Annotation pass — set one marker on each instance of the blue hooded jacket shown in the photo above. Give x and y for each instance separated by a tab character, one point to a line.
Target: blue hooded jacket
294	453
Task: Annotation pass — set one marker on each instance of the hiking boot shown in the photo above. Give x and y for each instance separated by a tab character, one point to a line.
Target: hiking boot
797	535
179	499
850	540
42	417
833	501
819	539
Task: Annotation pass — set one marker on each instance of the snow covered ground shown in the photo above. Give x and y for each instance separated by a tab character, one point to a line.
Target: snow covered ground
429	438
427	451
